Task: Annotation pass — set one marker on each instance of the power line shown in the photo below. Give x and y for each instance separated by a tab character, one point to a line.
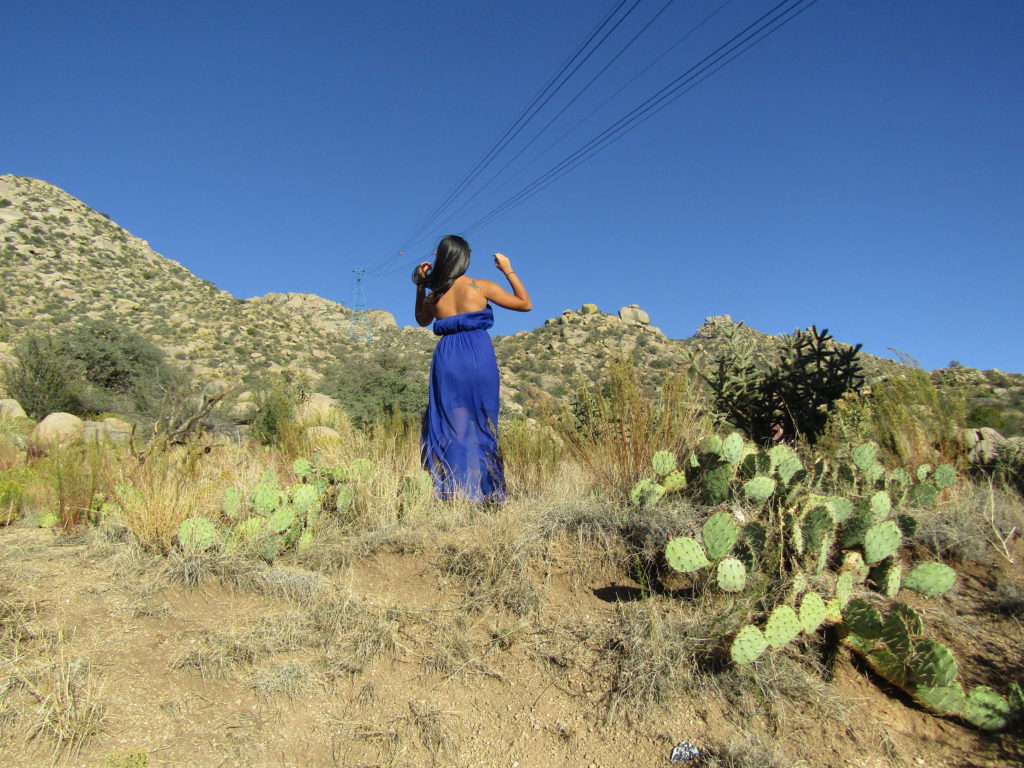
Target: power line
524	117
562	111
767	23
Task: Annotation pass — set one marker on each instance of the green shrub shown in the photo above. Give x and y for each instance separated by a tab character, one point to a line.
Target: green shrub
387	383
277	403
44	380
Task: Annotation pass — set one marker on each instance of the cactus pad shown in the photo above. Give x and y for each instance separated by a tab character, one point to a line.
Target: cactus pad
734	448
864	456
873	474
304	497
844	588
817	525
686	555
302	468
197	534
756	537
888	576
944	478
282	519
748	644
269	478
910	617
249	529
863	619
881	540
720	534
985	708
712	444
840	508
923	495
854	564
758	489
854	529
231	504
923	471
897	636
265	497
732	576
931	663
881	505
783	625
930	579
305	541
647	493
812	612
780	453
889	665
788	469
674	481
833	610
663	462
340	474
716	482
899	476
344	500
269	548
944	700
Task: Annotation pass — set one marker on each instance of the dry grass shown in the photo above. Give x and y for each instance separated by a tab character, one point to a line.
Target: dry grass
289	679
616	430
68	708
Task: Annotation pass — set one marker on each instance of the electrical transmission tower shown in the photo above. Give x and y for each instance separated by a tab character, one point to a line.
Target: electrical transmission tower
359	330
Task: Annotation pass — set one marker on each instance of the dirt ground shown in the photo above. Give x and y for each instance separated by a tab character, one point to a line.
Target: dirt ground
211	676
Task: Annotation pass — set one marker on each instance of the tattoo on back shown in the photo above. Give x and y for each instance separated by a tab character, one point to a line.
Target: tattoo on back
472	282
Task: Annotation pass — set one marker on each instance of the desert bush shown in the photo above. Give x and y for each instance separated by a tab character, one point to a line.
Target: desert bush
615	429
275	417
914	421
43	380
388	382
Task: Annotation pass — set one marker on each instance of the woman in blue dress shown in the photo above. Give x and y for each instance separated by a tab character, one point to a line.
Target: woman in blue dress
459	442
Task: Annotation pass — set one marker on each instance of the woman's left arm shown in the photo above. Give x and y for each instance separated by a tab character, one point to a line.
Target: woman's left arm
424	312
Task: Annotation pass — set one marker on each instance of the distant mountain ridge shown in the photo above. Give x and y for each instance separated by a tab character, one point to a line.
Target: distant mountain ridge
61	261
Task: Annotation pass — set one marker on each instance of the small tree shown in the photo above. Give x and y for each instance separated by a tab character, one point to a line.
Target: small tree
44	380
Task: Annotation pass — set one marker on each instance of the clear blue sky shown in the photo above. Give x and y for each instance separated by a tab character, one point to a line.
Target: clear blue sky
862	169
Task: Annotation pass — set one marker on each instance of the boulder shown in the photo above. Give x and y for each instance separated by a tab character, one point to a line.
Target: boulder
56	429
243	412
633	315
119	431
589	309
11	409
315	407
982	445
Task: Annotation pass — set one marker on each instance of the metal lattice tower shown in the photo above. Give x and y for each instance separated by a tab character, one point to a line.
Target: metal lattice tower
359	330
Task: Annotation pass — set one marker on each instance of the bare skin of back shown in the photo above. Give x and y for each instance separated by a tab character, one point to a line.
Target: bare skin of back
470	294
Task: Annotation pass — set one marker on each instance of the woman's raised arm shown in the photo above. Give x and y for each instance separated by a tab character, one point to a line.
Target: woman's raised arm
519	299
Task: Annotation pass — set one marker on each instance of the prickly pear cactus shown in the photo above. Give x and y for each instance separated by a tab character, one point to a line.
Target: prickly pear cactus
197	534
944	477
281	520
720	534
231	504
881	540
758	489
783	625
266	497
748	644
880	505
302	468
663	462
930	579
923	495
734	449
717	483
986	708
812	612
732	576
863	619
361	470
304	497
686	555
646	493
674	481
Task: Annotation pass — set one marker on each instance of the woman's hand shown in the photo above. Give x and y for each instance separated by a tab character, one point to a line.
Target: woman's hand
502	263
420	274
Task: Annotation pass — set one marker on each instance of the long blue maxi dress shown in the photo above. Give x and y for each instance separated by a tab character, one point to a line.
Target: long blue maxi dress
459	442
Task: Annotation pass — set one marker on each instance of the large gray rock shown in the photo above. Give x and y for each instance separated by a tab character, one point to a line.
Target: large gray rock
982	445
315	407
322	435
110	430
56	429
633	315
243	412
11	409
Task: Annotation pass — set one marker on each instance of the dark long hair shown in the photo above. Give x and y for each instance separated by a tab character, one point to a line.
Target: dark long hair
451	263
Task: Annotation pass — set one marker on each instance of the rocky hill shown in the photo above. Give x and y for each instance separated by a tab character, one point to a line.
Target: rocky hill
61	261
